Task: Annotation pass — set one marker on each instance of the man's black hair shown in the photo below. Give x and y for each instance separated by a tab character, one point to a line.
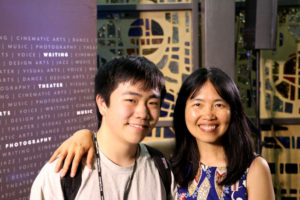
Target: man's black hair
123	69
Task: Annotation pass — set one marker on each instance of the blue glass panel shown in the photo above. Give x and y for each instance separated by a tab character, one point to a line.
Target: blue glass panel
175	35
187	61
135	31
156	28
272	167
161	64
267	71
293	142
158	132
187	52
175	18
268	101
288	107
120	44
285	141
169	97
187	19
187	43
147	33
138	22
281	39
277	104
174	68
175	49
168	17
271	143
175	57
163	113
111	29
147	24
165	105
281	172
168	133
298	142
149	134
268	85
291	168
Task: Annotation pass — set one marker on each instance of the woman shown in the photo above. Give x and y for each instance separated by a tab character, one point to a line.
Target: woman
214	155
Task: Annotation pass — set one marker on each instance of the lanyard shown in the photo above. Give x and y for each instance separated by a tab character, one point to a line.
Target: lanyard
99	171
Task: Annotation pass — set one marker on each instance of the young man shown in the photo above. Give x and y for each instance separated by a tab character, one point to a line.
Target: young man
128	91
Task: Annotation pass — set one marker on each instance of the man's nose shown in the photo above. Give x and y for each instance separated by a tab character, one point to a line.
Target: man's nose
142	111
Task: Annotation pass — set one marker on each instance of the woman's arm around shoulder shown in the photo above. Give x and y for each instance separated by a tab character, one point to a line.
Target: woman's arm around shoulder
259	181
72	150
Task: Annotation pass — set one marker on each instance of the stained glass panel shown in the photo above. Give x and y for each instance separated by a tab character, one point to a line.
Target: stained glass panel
279	98
283	68
141	1
281	148
154	35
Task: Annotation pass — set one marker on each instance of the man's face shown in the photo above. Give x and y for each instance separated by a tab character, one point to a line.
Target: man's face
132	112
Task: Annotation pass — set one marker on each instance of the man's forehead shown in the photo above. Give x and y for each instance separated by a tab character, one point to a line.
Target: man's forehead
139	86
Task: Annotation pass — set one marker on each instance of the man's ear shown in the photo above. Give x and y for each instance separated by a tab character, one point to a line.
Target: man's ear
101	104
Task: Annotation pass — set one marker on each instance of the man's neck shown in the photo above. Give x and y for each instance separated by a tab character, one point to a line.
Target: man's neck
119	152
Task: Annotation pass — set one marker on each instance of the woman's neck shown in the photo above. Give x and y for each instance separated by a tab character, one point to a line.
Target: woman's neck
212	155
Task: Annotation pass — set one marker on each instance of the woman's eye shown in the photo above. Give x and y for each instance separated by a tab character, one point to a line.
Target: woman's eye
219	105
197	104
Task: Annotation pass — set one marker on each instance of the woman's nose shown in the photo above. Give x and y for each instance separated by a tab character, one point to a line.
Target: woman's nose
209	113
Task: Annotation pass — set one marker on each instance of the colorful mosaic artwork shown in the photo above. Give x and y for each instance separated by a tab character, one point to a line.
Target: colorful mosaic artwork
163	37
141	1
281	148
280	80
279	98
280	90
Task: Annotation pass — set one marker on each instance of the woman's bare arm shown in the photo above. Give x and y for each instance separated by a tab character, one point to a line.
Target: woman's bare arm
259	181
72	150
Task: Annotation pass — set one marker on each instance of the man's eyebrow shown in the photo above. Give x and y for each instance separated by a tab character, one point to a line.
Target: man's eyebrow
154	96
139	95
131	93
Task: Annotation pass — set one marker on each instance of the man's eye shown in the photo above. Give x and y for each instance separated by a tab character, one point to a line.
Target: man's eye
130	100
154	103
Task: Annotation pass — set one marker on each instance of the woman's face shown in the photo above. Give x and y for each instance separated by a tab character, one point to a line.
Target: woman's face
207	115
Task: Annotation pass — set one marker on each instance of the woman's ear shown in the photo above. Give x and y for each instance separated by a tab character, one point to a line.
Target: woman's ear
101	104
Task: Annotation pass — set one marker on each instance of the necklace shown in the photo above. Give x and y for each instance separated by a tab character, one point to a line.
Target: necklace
127	189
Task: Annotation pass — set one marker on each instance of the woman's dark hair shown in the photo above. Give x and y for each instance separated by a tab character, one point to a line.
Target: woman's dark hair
237	140
127	68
